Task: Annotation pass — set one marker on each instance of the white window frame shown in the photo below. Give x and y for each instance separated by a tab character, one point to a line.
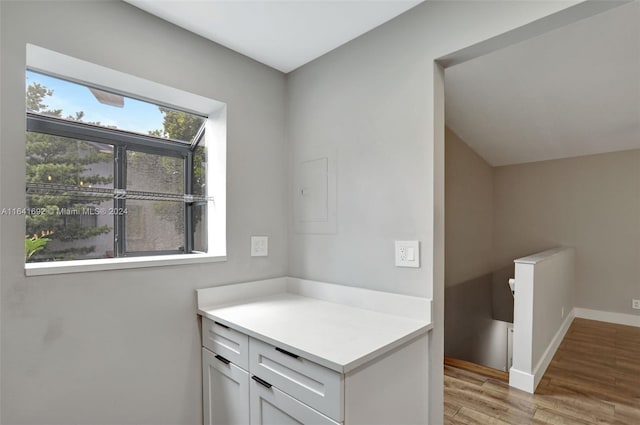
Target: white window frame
57	64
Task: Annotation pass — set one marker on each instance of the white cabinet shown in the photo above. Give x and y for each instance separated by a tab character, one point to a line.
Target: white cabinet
225	391
231	398
272	357
281	387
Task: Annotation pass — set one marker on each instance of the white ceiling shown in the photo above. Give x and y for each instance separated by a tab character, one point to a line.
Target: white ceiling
281	34
571	92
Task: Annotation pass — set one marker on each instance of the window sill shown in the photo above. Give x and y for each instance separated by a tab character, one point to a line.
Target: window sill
80	266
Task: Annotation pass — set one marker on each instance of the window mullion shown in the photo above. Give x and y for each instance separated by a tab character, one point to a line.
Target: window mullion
119	204
188	206
60	127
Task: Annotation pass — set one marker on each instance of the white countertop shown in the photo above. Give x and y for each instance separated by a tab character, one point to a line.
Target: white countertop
338	336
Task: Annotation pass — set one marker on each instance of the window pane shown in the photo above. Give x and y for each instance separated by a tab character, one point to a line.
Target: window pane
200	169
63	99
154	226
200	189
64	178
155	173
200	227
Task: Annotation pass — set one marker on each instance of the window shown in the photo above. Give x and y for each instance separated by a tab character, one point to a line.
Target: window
109	175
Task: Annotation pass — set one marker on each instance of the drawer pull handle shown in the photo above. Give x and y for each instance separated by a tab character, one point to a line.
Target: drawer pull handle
221	325
222	359
261	382
295	356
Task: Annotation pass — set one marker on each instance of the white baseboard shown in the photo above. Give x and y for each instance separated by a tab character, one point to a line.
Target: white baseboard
607	316
529	381
522	380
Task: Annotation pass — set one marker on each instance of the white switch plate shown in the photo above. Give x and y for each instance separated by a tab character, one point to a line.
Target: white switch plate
407	253
259	246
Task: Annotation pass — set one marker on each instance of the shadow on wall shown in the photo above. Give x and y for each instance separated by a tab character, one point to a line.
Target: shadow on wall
478	314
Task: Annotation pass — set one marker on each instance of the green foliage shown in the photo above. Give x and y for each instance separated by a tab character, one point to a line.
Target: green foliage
181	126
35	95
53	159
34	244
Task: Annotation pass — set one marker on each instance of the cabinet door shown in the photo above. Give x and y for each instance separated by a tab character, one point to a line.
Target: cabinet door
225	391
270	406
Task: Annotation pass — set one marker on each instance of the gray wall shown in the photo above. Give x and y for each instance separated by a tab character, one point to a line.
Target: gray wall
469	213
591	203
472	330
478	303
372	101
122	346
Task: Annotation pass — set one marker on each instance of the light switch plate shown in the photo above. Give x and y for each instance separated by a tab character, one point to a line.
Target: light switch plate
407	253
259	246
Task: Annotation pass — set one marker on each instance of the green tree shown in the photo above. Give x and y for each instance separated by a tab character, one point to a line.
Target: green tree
59	160
181	126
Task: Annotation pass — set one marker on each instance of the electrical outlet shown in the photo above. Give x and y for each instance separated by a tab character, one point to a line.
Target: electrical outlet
635	304
259	246
562	312
407	254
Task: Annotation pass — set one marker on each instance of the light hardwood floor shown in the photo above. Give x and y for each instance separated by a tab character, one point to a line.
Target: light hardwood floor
594	378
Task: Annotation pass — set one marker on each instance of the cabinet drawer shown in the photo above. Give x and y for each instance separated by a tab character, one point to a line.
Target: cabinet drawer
312	384
270	406
222	340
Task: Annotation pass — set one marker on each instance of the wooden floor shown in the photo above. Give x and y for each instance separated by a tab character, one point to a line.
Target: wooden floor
594	378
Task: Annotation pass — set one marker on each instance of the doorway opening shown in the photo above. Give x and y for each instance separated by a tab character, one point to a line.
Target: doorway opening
536	158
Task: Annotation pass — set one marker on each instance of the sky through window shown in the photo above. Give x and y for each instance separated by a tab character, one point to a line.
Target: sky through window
134	115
